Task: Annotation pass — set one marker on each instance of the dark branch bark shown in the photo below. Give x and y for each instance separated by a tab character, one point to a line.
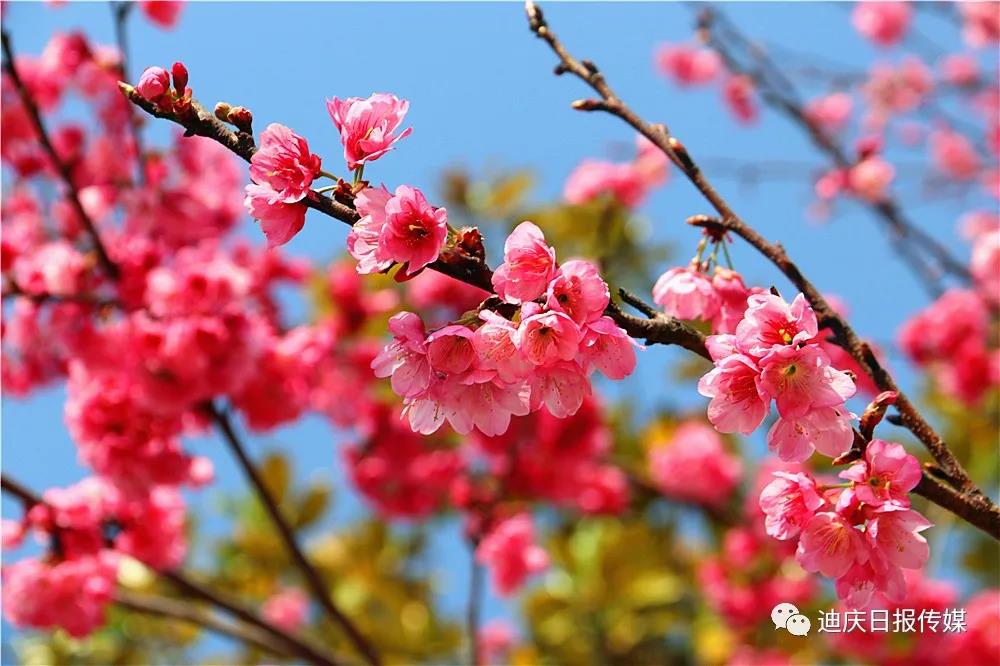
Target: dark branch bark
319	589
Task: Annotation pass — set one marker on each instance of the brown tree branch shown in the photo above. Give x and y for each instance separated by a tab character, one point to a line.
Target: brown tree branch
63	169
660	135
777	91
176	610
120	11
319	589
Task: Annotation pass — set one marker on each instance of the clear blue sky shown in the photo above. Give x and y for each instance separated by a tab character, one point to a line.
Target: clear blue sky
482	94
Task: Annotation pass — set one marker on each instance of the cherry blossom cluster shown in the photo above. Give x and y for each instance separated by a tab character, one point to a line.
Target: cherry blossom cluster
775	355
862	533
486	369
694	466
89	526
628	183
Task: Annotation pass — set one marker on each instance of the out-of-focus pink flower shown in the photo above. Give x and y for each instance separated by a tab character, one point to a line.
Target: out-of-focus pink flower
884	23
686	293
368	126
885	476
163	13
695	466
959	69
154	83
71	594
55	268
279	221
981	23
528	265
414	232
686	65
283	163
788	503
593	178
830	112
509	551
979	643
870	178
737	92
287	608
495	639
954	155
830	545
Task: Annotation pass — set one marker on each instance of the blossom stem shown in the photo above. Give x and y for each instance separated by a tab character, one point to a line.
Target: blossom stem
327	174
326	188
358	173
725	251
120	11
474	604
319	589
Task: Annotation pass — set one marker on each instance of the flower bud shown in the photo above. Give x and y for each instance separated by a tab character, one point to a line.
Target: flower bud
154	83
875	411
222	111
242	118
180	74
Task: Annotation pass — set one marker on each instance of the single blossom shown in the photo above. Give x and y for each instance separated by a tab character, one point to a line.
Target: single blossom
830	545
279	221
895	534
154	83
801	380
548	337
870	178
686	293
578	291
885	476
528	265
509	551
686	65
738	404
695	466
414	232
368	126
826	429
770	322
884	23
283	163
788	503
363	239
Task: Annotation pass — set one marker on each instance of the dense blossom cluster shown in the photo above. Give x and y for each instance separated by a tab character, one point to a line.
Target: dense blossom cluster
862	535
775	355
694	466
486	369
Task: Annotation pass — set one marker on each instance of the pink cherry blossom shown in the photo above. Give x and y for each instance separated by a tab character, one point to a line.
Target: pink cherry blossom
163	13
593	178
368	126
686	293
695	466
284	164
789	502
732	295
895	534
738	94
496	348
959	69
770	322
738	404
578	291
154	83
279	221
885	476
870	178
830	112
885	23
686	65
561	387
405	359
548	337
826	429
607	347
55	268
864	583
510	553
830	545
980	23
287	609
954	155
801	380
414	232
528	265
450	349
71	594
363	239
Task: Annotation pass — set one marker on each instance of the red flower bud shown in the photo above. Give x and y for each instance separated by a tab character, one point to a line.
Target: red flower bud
180	74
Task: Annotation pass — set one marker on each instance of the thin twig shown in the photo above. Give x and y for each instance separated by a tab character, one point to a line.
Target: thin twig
63	169
120	11
319	589
176	610
472	609
986	514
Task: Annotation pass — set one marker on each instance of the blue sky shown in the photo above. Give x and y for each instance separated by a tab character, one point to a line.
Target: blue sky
483	95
